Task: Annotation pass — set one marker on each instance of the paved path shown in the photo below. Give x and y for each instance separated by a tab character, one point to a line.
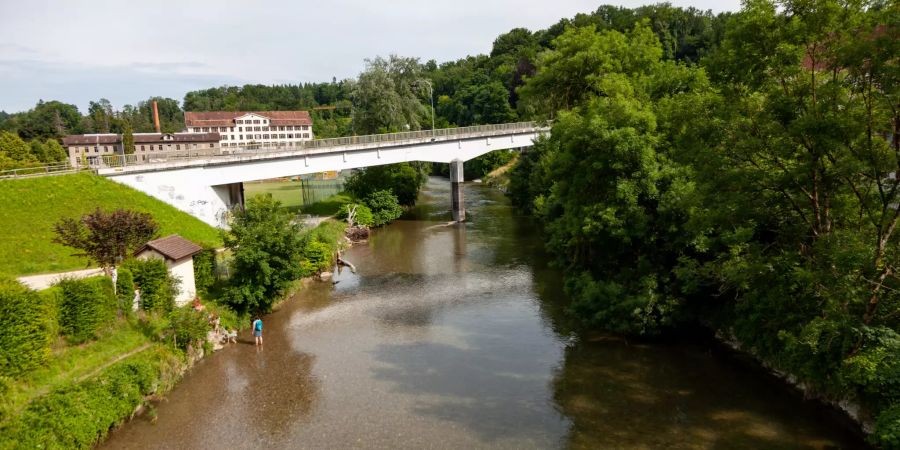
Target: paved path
46	280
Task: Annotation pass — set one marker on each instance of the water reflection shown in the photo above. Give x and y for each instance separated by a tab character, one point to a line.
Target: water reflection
455	336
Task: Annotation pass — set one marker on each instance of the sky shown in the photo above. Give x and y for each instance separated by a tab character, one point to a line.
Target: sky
127	51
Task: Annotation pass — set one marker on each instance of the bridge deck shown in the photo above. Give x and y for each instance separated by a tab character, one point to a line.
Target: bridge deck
117	164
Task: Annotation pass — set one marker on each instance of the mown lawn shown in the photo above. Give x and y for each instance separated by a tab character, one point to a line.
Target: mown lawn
329	206
288	193
31	207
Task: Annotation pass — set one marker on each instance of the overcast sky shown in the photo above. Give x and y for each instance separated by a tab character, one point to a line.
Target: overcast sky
126	51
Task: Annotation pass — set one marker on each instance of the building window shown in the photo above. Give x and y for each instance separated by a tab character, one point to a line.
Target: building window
212	145
231	129
306	135
177	146
142	148
96	149
241	137
305	127
258	136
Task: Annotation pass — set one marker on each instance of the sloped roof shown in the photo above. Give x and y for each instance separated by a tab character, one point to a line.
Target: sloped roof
154	138
91	139
173	247
226	118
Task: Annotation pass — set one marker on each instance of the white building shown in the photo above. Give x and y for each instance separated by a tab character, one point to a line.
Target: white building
178	253
261	129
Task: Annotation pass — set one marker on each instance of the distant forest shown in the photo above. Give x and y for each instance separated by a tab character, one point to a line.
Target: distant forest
474	90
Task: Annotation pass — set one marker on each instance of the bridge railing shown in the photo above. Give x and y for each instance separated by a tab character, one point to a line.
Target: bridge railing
254	152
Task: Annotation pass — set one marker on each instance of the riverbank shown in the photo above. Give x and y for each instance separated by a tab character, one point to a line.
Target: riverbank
81	391
455	337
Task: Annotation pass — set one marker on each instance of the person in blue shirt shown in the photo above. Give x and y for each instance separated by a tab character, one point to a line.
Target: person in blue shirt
257	330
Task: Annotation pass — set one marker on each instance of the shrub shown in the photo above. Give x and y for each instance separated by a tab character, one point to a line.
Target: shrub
158	287
362	215
316	257
80	415
125	289
85	305
384	206
205	269
24	328
188	326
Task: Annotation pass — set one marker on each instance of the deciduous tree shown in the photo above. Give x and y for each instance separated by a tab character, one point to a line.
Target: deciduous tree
106	238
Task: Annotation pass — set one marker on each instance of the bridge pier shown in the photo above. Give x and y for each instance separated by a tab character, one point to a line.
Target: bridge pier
457	202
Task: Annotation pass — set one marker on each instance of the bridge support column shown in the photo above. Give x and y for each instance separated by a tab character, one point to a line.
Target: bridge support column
457	203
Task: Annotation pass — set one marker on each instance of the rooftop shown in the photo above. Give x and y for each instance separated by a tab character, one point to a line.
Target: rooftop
226	118
172	247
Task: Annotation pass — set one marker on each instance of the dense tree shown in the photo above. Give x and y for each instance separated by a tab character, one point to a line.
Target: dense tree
386	96
50	120
128	139
100	116
53	152
267	250
402	180
106	238
13	147
764	205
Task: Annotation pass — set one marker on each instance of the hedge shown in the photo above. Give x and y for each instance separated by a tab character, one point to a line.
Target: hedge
80	415
205	269
25	330
125	289
158	288
85	305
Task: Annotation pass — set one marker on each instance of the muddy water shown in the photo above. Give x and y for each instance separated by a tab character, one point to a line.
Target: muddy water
453	337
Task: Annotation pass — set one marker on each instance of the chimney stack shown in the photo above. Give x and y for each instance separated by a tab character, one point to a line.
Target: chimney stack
156	117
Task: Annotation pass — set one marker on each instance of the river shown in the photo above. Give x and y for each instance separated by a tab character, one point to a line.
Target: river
454	337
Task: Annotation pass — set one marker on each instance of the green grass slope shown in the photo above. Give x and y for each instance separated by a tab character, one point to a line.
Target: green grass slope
31	206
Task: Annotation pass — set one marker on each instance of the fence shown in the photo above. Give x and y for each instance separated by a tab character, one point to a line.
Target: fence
39	171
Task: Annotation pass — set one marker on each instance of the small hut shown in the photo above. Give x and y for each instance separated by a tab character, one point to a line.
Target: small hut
178	253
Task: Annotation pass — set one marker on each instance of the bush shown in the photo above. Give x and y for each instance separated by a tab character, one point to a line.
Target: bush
403	179
158	287
24	329
80	415
363	215
188	326
384	206
316	257
125	289
205	269
85	305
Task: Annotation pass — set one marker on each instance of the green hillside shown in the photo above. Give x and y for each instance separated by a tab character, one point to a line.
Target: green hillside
31	207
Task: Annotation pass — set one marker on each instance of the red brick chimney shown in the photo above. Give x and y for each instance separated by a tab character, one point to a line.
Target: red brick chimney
156	117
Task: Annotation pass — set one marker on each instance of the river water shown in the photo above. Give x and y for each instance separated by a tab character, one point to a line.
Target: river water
454	337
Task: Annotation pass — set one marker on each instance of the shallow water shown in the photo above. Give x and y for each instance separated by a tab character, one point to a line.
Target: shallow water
453	337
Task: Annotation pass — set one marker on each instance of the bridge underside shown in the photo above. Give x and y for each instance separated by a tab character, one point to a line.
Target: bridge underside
208	189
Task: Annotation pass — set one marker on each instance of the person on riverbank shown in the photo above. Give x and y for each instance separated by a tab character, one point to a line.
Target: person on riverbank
257	330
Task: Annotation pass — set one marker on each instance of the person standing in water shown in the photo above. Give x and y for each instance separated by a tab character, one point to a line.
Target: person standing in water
257	330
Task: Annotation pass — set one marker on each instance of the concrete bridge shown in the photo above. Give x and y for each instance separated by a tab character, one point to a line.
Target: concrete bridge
208	183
